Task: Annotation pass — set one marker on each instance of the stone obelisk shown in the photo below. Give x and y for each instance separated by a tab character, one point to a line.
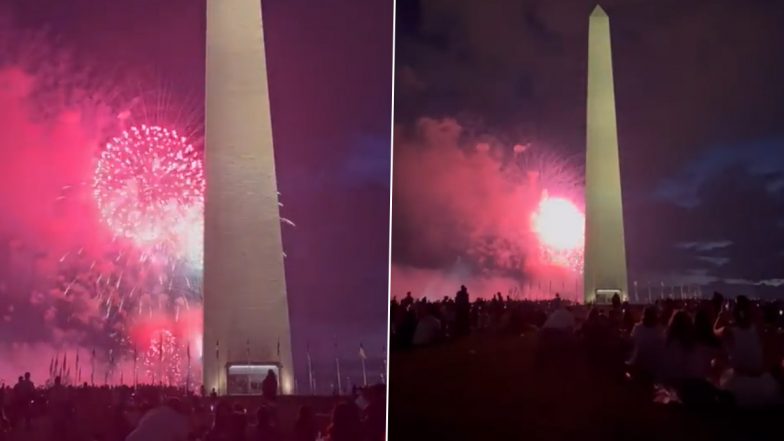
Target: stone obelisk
605	248
246	314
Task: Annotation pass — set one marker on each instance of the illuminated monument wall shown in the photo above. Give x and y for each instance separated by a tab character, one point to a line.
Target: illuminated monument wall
605	249
246	314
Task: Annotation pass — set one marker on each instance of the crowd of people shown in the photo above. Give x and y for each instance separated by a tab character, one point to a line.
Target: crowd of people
717	352
153	413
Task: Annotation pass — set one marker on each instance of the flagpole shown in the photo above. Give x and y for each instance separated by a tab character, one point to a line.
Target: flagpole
217	357
160	359
364	374
188	378
362	357
135	356
384	372
247	362
337	365
280	380
310	372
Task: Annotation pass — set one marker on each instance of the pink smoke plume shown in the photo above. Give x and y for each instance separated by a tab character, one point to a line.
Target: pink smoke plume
463	213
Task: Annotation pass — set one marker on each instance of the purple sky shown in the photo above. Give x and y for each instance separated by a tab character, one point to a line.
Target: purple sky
330	85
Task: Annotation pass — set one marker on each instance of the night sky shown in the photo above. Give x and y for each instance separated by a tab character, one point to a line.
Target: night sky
330	81
700	103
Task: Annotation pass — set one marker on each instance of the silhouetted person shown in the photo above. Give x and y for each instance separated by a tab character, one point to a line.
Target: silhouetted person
345	424
428	329
680	341
222	422
616	301
17	402
717	303
28	395
265	429
462	312
407	301
647	341
167	422
708	346
305	428
239	423
59	409
269	387
374	415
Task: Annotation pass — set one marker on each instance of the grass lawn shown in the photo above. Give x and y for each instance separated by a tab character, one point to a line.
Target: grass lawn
489	387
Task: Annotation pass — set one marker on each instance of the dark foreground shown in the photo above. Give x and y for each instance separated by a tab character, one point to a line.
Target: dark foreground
488	387
97	419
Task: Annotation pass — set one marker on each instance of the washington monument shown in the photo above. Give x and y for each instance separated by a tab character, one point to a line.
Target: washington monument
605	248
246	314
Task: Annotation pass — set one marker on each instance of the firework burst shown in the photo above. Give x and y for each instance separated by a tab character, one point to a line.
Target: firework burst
560	229
149	187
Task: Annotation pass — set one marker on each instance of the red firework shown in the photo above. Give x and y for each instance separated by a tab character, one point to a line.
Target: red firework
149	187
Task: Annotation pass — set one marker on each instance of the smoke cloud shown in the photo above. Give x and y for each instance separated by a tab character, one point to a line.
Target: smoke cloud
462	207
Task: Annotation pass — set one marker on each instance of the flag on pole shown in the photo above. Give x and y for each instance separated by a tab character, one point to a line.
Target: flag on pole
363	357
278	349
362	354
217	350
135	357
51	367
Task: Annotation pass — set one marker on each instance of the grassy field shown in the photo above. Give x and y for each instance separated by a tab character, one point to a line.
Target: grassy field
491	387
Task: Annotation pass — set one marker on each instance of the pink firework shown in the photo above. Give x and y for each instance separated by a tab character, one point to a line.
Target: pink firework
559	226
164	359
149	186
